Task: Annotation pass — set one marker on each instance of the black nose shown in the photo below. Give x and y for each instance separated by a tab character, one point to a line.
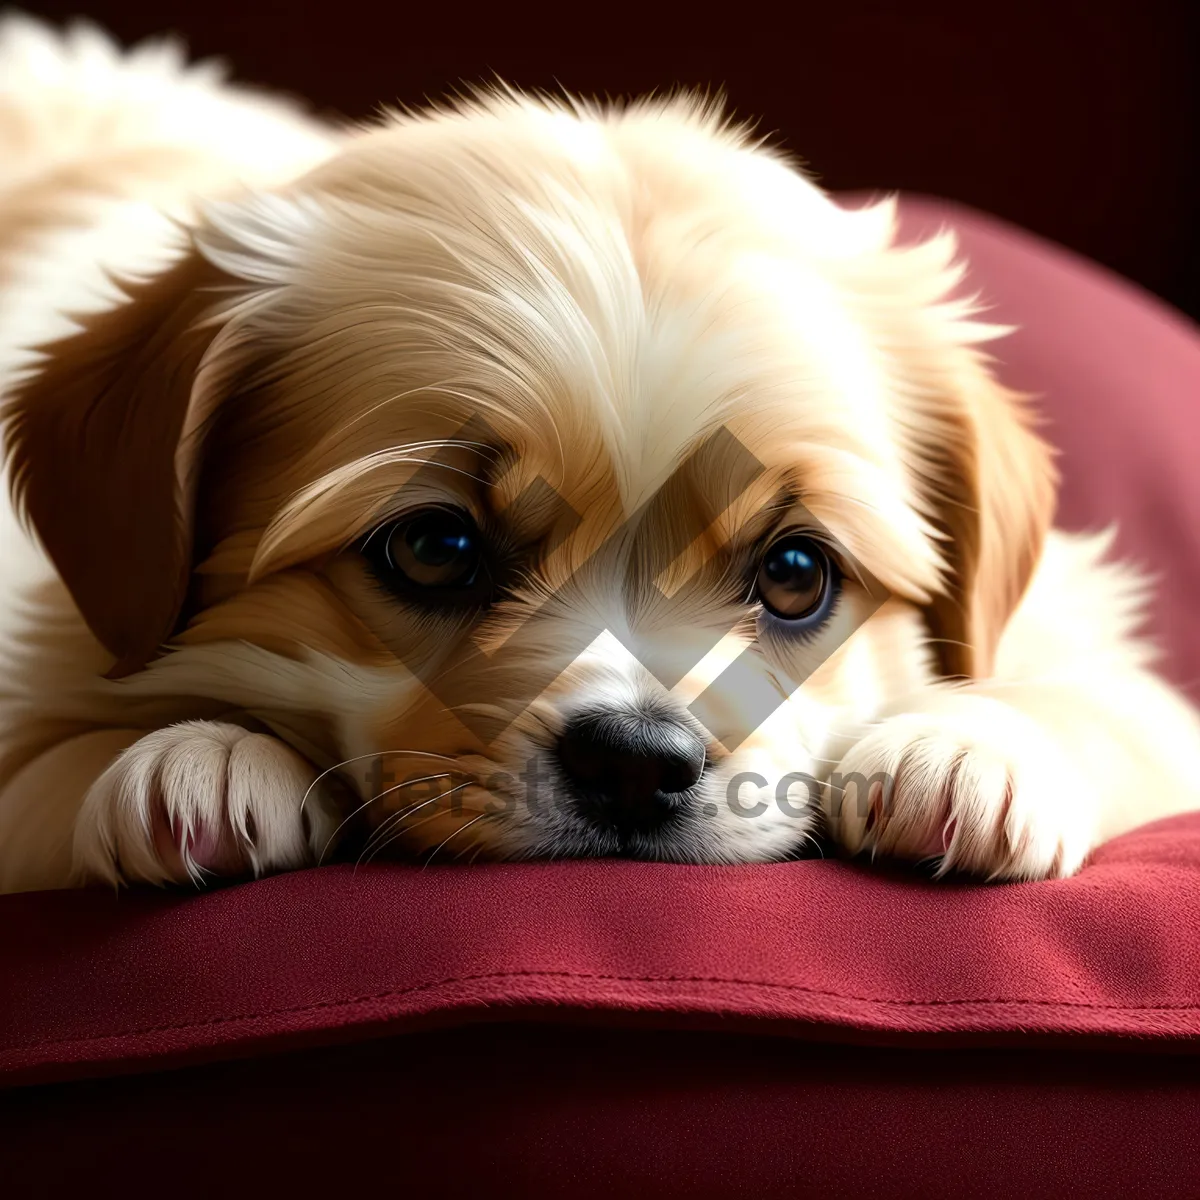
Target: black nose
628	770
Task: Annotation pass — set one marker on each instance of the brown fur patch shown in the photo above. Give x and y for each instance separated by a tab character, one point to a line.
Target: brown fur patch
105	444
995	487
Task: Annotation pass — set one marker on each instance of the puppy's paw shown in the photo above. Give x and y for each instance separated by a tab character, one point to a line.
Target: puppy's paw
974	783
201	798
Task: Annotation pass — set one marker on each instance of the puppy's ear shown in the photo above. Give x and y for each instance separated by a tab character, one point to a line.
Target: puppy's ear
105	447
992	483
983	476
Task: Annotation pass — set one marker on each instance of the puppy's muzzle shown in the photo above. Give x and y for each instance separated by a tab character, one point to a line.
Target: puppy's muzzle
630	772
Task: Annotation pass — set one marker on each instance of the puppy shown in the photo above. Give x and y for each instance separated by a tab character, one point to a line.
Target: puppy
524	478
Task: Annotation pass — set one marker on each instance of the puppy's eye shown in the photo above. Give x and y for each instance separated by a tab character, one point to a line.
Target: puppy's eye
436	549
796	581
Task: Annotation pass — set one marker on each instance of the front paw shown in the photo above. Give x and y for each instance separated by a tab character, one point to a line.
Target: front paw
201	798
975	785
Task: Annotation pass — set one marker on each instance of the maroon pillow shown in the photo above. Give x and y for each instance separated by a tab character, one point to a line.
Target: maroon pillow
97	983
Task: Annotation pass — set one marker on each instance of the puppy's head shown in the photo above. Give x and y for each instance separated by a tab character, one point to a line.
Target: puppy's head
574	478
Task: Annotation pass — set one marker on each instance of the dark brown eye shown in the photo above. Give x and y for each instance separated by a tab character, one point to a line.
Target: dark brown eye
436	549
796	580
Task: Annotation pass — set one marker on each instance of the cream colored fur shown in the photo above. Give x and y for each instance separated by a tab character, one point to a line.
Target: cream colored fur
606	289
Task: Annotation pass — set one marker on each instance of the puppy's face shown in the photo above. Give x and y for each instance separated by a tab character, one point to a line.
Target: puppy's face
580	483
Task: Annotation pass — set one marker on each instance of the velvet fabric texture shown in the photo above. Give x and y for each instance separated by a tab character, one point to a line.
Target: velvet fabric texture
99	983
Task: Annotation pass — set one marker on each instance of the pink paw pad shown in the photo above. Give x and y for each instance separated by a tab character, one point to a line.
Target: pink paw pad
212	847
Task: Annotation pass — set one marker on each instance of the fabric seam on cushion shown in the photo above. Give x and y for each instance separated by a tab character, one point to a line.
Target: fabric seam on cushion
532	974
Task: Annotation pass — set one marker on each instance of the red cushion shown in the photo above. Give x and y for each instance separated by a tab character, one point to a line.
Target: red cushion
537	1110
96	983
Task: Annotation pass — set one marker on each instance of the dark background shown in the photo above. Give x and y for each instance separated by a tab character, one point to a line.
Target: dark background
1080	121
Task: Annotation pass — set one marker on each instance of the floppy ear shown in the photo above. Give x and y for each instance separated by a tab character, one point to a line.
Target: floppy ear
105	444
983	476
992	484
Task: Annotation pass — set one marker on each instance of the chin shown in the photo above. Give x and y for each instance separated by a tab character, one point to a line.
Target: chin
519	479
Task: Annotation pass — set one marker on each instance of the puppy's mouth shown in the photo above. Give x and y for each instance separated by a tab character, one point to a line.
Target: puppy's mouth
640	782
633	816
633	822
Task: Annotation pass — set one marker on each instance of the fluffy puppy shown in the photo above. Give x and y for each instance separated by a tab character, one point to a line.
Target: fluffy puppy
523	478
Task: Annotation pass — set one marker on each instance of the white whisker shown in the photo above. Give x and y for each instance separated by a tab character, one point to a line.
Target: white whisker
366	803
362	758
394	822
460	829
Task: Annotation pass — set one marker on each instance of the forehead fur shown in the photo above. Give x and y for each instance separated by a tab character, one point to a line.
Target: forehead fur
604	290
